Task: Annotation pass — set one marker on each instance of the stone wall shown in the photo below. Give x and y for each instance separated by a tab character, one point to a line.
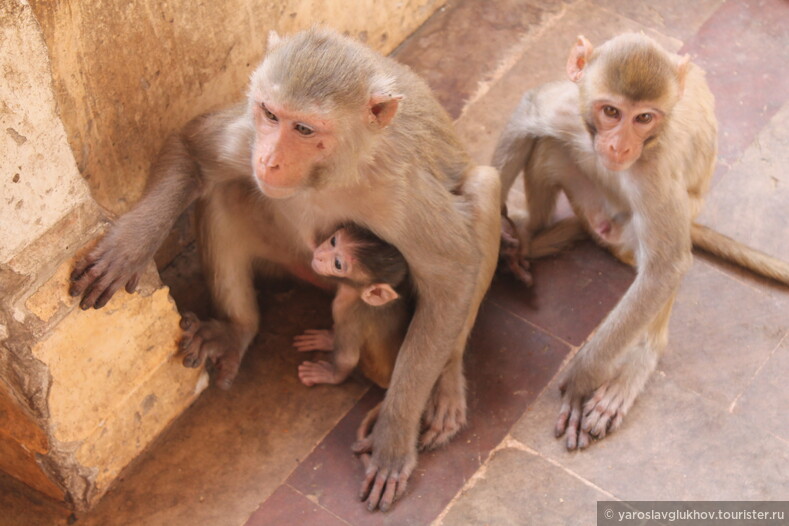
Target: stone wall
90	90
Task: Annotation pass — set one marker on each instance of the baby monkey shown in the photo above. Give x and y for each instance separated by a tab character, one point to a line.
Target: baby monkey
371	310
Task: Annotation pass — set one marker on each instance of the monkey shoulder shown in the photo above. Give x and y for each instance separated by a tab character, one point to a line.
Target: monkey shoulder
550	110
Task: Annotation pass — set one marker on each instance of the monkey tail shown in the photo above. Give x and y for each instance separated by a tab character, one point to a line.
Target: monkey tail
730	250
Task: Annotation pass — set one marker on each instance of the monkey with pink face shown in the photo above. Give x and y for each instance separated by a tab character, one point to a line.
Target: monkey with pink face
371	310
631	140
330	133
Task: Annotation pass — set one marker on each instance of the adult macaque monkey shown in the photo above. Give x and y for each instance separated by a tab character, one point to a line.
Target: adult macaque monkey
371	309
331	133
632	142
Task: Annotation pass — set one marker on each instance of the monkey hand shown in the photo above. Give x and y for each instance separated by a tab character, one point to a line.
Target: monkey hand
510	252
112	264
589	409
389	458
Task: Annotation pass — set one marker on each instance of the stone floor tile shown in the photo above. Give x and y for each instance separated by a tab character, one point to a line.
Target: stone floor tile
572	291
674	445
287	506
739	47
670	17
461	46
750	203
508	363
766	399
233	449
721	333
519	487
543	60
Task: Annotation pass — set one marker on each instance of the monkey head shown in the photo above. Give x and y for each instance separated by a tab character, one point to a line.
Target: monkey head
628	88
316	102
338	258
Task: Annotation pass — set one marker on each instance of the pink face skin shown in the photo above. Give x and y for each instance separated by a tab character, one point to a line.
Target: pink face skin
332	257
622	127
288	145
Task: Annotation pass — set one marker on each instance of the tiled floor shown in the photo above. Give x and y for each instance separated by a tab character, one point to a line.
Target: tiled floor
712	423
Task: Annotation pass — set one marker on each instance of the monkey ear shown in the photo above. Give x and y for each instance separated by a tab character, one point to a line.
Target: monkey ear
379	294
683	66
273	39
382	109
579	57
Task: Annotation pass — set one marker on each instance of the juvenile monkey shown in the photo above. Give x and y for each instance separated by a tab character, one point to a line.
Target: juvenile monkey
371	309
330	133
631	140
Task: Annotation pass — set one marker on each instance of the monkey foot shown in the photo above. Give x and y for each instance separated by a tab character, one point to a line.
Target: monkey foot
510	257
583	419
314	340
212	340
443	418
321	372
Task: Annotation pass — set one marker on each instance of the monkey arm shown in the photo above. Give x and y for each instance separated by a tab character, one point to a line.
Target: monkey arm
663	256
120	256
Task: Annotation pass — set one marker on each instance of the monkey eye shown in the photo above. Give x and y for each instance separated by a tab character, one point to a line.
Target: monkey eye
610	111
270	116
337	263
333	241
644	118
304	130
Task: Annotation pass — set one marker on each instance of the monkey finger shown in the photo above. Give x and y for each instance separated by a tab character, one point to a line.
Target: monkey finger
520	272
561	420
131	285
390	493
370	473
189	322
573	424
363	446
583	439
107	294
191	350
93	292
377	490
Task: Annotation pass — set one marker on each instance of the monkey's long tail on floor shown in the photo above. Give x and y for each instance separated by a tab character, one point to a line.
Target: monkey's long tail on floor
727	248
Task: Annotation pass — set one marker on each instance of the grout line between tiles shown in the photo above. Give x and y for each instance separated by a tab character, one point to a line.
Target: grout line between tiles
510	59
515	444
757	371
318	504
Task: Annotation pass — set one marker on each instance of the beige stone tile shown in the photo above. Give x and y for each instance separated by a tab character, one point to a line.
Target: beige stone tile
750	202
721	332
543	60
518	487
765	400
674	445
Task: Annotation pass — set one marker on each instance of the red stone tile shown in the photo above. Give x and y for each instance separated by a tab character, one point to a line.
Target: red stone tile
670	17
461	46
508	363
287	506
743	47
572	292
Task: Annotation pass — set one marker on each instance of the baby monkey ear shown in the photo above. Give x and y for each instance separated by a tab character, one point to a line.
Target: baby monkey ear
379	294
579	58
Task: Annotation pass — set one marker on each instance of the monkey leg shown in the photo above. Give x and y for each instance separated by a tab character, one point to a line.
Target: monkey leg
228	268
583	418
445	412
